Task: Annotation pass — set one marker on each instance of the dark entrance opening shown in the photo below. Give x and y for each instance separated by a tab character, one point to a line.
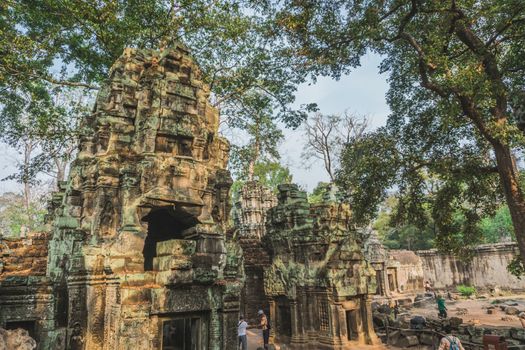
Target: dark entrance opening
164	224
29	326
379	282
185	333
351	324
391	284
284	318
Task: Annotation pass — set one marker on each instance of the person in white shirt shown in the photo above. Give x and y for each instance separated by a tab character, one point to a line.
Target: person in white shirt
241	332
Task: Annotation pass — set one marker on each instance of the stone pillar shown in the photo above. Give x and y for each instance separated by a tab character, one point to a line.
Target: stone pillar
296	334
343	327
273	319
215	331
313	322
366	311
229	322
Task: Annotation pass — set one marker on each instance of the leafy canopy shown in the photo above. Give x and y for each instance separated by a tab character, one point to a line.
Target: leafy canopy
456	85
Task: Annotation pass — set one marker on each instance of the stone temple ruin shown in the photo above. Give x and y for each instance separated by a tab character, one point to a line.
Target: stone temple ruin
318	284
142	254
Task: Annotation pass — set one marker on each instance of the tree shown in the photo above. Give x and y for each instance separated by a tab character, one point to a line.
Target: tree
42	126
268	174
254	116
73	43
497	228
326	136
16	219
454	67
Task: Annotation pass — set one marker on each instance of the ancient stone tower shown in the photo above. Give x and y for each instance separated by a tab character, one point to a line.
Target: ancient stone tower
138	255
250	221
319	284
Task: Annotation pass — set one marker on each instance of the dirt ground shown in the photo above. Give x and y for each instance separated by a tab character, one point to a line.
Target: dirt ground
476	311
255	341
476	314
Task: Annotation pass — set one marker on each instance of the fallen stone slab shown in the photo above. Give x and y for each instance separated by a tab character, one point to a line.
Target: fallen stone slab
426	339
408	341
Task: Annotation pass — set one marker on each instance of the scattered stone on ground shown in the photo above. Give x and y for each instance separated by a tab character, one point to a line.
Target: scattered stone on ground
16	339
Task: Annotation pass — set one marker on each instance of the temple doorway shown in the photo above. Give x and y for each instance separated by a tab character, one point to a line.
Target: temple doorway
284	318
351	324
163	224
188	332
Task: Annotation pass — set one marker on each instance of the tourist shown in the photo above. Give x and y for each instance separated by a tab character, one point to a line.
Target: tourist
428	287
396	310
265	329
521	316
241	333
441	307
450	341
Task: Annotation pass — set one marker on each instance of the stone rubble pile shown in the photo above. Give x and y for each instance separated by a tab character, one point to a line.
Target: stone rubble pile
16	339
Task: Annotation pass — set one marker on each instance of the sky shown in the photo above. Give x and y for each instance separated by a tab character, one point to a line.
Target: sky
361	92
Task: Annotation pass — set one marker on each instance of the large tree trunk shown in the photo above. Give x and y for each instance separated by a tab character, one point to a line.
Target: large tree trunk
509	177
28	150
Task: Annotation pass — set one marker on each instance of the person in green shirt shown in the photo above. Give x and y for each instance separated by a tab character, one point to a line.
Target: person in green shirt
441	307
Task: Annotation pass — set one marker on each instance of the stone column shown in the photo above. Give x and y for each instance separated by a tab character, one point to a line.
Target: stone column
229	323
215	331
366	312
294	311
273	319
312	317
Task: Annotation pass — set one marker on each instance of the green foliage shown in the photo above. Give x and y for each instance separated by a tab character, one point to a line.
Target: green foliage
73	43
16	218
316	196
516	267
466	291
448	143
255	119
402	236
497	228
269	174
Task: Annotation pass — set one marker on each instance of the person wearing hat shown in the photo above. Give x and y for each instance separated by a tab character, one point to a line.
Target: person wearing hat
265	329
241	333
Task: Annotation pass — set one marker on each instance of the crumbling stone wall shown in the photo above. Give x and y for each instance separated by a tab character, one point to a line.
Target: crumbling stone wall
23	256
26	294
250	221
487	269
138	247
406	269
319	284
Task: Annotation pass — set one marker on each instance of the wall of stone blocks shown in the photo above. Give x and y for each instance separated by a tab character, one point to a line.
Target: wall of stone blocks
487	269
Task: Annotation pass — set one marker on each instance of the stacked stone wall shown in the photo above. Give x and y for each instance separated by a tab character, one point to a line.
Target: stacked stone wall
486	270
24	256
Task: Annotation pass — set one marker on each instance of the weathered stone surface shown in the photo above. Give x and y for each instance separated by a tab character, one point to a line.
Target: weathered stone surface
426	339
318	283
511	310
143	213
17	339
407	341
250	214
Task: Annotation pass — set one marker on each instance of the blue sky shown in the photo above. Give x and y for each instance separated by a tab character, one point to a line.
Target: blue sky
362	92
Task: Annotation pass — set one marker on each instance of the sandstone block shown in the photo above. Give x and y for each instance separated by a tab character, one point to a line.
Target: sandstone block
407	341
426	339
512	310
176	247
